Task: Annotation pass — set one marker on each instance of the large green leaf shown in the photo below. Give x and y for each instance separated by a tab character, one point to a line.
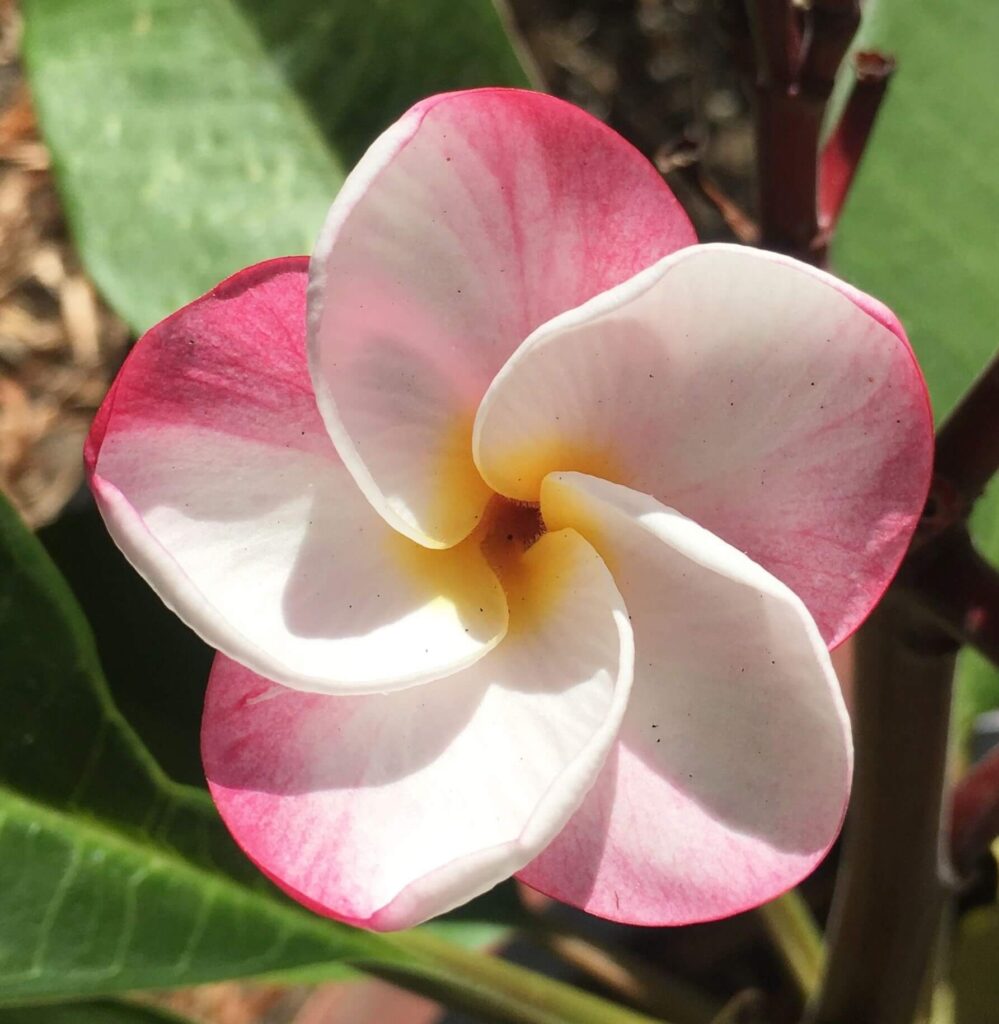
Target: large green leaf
181	153
155	666
112	876
920	227
358	64
181	149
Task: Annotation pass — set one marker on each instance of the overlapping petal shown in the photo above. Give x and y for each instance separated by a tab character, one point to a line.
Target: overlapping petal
767	401
474	219
216	477
731	774
385	810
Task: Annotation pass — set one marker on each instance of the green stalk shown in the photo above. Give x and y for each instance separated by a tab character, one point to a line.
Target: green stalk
488	987
796	936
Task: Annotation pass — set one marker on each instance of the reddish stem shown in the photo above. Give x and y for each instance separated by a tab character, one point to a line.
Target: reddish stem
798	52
942	571
845	147
778	36
787	131
968	442
832	24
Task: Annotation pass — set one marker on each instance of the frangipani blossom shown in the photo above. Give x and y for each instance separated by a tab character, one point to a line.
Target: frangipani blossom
523	524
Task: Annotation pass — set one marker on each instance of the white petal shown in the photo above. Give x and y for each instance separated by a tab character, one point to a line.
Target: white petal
774	405
386	810
474	219
732	772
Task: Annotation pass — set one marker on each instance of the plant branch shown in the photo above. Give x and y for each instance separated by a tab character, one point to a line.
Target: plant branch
787	131
890	893
943	572
842	152
968	442
793	931
798	52
831	26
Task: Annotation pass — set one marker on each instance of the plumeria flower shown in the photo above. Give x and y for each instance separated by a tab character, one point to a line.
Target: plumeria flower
523	525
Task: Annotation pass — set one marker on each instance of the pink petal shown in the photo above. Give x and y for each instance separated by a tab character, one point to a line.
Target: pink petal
772	404
385	810
217	479
731	775
474	219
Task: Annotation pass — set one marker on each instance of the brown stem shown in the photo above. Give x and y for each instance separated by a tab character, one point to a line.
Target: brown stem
778	39
787	131
798	52
745	229
842	152
832	24
890	893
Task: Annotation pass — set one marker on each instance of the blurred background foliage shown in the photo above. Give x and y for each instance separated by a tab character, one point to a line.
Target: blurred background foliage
188	138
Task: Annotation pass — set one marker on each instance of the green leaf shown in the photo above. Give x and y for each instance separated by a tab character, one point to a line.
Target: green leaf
973	973
359	64
920	228
181	149
155	666
181	153
104	1011
111	876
